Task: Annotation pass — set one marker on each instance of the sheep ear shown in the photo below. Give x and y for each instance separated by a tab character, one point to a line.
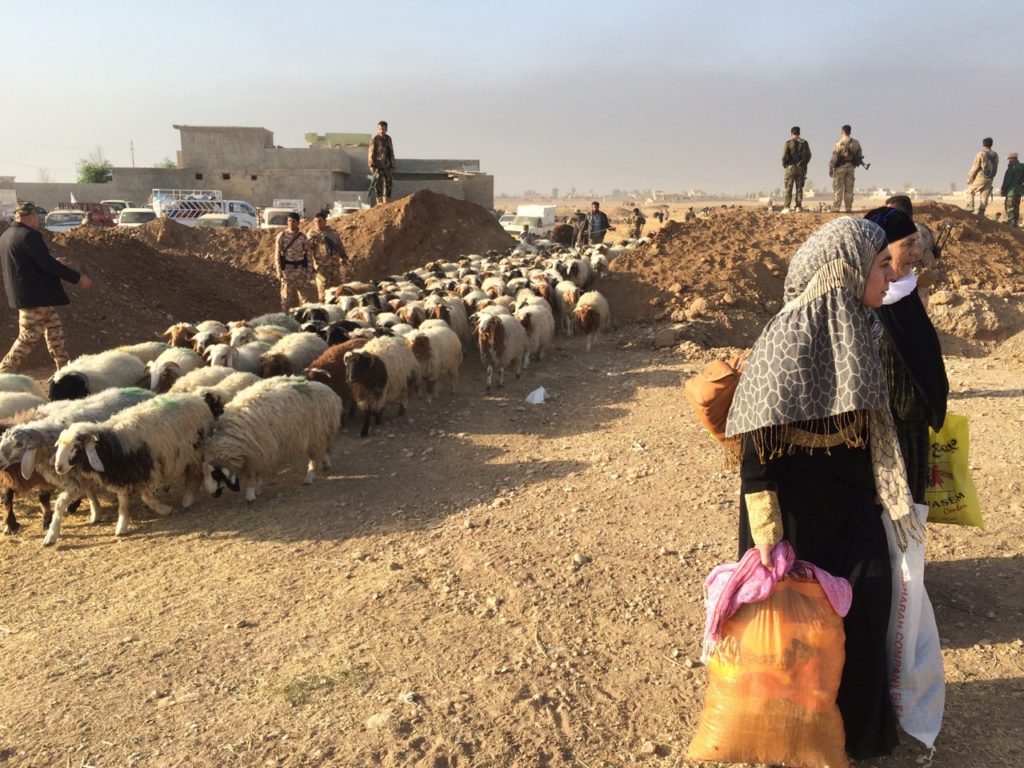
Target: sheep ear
28	463
94	458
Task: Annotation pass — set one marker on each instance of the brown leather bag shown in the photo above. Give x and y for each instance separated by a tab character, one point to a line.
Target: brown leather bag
710	392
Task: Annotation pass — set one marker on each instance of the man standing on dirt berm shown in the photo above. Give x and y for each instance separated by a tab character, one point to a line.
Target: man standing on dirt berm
846	155
32	278
382	162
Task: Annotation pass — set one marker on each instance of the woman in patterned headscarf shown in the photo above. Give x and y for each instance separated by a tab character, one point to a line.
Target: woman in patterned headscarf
820	459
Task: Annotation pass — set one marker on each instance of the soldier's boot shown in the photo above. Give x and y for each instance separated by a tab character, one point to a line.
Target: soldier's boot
383	200
981	211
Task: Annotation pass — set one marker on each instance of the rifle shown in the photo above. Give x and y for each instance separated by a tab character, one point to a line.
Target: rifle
945	230
371	196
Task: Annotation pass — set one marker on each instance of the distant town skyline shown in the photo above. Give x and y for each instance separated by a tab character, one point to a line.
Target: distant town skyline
689	95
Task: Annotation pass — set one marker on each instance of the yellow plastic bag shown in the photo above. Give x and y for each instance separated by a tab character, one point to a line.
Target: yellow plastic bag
951	495
773	681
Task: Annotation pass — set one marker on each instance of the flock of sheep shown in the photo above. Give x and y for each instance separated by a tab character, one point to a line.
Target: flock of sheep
226	404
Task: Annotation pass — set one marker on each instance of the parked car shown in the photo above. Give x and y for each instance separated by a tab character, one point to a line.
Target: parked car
135	217
217	221
118	205
64	219
100	215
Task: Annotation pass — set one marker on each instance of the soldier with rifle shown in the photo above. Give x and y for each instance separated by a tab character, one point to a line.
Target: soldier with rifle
381	159
796	153
846	155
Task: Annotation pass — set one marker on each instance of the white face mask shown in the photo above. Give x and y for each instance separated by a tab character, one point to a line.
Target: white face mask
900	289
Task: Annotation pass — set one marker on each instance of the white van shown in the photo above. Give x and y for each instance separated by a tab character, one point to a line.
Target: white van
135	217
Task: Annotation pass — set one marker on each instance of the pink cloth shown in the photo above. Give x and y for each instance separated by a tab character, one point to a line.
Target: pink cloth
731	585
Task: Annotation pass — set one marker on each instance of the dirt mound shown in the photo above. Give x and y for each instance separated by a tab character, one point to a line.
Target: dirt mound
724	275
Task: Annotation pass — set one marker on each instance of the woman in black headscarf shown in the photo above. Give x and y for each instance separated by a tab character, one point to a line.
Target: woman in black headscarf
910	350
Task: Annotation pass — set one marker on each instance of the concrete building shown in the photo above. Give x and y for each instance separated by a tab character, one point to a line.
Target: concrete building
245	164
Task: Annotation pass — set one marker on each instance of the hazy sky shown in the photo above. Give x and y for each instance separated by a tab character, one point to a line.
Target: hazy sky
596	95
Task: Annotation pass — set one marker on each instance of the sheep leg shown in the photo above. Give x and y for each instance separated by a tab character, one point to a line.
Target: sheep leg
325	463
193	482
53	529
367	415
519	364
155	504
252	487
44	505
11	524
490	376
124	500
590	338
501	376
310	472
95	510
526	360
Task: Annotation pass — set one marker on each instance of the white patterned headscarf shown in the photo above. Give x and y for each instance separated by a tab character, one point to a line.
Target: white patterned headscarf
818	358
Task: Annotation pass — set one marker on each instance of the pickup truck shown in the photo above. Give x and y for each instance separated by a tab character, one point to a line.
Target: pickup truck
100	215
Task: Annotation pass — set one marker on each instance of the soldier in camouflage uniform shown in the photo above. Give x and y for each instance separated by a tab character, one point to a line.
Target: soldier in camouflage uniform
1012	189
381	158
980	177
636	224
324	245
292	264
846	155
33	278
796	153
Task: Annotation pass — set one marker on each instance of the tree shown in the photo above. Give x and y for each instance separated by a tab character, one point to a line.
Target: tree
94	169
165	163
45	175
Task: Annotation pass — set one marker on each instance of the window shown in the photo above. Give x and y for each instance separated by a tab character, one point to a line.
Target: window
199	177
226	176
253	177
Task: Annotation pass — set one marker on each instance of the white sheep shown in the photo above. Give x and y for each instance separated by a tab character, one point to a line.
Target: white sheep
291	355
17	402
267	426
452	311
539	323
172	364
31	446
16	382
89	374
146	351
438	352
502	343
208	376
380	374
592	314
567	294
243	358
145	448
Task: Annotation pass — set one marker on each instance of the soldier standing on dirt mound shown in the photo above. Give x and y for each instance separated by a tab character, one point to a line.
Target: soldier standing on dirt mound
846	155
292	264
382	162
324	245
980	177
636	224
32	278
796	154
1013	188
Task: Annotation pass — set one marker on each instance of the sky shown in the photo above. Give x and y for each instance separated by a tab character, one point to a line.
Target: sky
593	95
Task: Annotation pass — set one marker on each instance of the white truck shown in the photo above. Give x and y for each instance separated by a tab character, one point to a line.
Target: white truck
539	218
277	214
346	203
185	206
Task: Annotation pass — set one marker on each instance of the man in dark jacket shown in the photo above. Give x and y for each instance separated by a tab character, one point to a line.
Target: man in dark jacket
597	224
32	278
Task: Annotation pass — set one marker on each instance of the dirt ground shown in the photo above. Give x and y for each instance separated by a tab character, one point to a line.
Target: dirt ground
479	583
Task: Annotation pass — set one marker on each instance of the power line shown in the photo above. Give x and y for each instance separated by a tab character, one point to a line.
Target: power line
61	146
36	165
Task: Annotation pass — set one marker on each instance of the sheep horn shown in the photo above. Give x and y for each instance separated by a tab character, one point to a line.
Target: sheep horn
94	459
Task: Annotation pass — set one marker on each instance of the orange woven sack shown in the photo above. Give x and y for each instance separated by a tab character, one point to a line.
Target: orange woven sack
710	392
772	684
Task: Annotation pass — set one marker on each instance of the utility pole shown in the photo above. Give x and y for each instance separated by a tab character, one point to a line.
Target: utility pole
131	146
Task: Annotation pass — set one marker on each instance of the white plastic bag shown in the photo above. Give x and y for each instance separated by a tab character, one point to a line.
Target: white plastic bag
537	396
917	684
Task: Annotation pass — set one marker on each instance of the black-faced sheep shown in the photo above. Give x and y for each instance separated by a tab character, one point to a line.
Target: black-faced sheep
90	374
27	450
291	355
502	343
144	448
266	427
379	374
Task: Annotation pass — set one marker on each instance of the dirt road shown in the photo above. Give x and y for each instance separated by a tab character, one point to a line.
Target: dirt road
483	582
